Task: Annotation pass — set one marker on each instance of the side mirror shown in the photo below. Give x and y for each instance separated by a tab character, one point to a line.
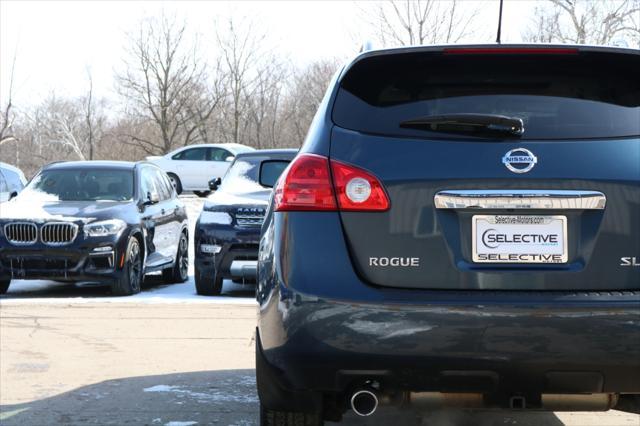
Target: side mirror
13	195
270	172
215	183
229	159
152	198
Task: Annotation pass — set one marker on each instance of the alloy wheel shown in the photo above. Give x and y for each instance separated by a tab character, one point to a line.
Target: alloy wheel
183	258
135	266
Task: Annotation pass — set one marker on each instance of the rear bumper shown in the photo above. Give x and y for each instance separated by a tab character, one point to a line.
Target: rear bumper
327	331
566	345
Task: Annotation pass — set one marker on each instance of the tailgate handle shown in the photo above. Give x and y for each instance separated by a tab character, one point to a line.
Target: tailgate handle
520	199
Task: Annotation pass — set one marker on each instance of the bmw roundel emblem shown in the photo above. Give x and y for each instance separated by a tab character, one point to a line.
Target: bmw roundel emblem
519	160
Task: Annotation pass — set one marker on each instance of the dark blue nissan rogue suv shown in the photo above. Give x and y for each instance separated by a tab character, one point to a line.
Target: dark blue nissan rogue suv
462	225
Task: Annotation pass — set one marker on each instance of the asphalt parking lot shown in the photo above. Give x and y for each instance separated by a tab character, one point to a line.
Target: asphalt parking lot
73	355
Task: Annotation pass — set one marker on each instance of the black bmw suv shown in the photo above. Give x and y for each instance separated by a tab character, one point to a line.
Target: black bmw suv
107	222
461	226
228	229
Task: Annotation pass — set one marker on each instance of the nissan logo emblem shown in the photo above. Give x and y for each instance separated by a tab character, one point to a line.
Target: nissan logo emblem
519	160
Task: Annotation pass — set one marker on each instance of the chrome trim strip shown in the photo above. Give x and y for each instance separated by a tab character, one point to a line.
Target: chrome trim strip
520	199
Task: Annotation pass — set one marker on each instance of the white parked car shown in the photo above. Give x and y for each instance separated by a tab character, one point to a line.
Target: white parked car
12	181
192	167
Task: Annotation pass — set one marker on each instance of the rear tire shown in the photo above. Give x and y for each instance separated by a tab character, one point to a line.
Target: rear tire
209	284
132	272
4	285
287	418
179	272
629	403
175	181
270	392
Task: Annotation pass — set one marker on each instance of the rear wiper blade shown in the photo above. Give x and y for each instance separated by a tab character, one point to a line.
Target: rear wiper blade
468	123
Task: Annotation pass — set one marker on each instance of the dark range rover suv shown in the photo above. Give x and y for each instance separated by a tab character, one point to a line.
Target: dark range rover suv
108	222
228	229
462	225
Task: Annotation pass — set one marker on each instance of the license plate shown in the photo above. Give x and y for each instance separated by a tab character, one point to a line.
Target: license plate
519	239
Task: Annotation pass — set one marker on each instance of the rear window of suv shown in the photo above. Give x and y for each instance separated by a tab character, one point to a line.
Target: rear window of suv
557	96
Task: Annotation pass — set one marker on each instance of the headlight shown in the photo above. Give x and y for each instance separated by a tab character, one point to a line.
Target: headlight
104	228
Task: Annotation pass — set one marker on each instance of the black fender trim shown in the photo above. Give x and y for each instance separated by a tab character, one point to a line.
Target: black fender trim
276	393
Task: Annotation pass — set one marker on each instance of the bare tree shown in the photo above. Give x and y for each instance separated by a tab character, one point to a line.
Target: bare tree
264	103
417	22
7	115
94	119
162	82
61	122
203	111
303	98
586	22
241	54
63	127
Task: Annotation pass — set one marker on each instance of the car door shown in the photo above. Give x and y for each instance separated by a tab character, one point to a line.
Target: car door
170	210
190	164
219	161
153	217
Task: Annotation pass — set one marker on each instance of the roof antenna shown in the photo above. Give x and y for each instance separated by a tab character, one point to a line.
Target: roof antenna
499	24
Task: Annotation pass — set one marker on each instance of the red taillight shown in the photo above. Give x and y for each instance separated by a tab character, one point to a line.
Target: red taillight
510	51
306	185
357	189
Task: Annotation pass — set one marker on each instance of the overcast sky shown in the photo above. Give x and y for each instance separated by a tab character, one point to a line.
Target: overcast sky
56	41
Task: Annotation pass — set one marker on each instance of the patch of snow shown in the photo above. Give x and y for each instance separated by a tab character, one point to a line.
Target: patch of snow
243	423
202	397
160	388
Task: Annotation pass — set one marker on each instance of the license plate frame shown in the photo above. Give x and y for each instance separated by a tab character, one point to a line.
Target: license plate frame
508	248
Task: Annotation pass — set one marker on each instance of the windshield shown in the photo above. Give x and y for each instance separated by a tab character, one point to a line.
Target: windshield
82	185
242	177
586	95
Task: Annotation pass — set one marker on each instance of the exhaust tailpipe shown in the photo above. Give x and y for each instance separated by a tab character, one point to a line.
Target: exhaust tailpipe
364	402
587	402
